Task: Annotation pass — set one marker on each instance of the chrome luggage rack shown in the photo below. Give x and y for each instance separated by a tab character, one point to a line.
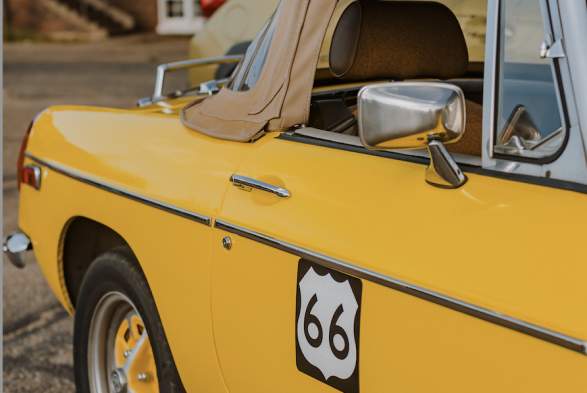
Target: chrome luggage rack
206	88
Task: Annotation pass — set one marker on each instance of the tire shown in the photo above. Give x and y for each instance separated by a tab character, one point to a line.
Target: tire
119	341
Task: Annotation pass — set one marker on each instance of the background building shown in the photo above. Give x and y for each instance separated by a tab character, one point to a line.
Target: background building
96	19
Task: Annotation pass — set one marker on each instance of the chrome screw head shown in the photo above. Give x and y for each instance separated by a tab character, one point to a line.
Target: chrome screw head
227	242
143	377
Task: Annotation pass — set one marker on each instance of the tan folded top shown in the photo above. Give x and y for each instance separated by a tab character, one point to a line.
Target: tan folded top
281	96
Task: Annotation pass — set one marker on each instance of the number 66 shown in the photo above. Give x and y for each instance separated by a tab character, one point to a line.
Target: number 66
334	330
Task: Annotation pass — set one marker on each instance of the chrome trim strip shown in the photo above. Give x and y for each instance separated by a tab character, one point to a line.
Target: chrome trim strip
530	329
164	69
89	180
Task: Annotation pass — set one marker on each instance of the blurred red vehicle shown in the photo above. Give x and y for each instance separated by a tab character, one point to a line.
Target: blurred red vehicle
210	6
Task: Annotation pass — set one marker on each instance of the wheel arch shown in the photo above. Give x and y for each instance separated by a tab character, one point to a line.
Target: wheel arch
82	240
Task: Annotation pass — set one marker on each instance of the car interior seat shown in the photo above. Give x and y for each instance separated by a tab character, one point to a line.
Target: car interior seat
399	41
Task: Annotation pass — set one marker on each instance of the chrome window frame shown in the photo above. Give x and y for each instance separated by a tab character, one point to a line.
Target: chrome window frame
266	33
570	165
245	64
574	14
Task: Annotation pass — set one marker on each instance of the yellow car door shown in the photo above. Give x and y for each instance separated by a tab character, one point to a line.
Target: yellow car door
428	269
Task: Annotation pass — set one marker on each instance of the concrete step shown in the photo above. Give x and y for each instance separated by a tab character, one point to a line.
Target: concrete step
84	28
123	19
103	14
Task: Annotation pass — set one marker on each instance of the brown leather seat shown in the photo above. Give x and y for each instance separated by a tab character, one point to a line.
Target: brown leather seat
471	141
398	40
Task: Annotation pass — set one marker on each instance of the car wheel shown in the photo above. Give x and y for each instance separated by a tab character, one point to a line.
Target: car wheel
119	342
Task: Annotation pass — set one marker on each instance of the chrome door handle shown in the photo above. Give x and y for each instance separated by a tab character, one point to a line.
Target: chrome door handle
247	183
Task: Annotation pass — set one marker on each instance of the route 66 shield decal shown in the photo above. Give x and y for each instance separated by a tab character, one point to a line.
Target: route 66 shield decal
328	313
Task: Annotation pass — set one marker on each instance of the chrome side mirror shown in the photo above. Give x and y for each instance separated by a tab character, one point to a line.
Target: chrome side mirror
414	115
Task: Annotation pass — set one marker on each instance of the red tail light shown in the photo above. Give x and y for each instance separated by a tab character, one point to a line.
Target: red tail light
20	161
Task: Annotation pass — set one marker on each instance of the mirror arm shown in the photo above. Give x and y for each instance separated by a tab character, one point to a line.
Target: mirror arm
443	170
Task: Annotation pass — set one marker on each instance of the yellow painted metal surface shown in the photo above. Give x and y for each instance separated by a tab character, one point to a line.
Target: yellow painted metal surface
406	344
172	250
501	244
153	155
498	244
229	315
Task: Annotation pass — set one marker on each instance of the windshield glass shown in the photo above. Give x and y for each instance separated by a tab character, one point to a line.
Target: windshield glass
530	117
249	70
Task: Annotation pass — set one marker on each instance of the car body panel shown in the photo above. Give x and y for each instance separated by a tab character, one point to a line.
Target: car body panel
412	346
144	140
155	157
329	213
162	253
439	251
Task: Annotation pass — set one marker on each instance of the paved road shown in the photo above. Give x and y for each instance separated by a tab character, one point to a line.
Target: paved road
37	332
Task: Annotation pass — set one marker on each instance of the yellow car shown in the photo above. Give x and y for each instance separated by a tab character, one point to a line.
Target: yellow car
410	222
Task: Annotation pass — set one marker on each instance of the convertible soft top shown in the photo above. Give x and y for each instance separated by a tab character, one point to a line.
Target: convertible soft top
273	103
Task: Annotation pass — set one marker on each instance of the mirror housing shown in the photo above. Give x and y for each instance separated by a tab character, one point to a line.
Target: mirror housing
414	115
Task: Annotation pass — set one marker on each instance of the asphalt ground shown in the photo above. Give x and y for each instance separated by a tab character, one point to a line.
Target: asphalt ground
37	331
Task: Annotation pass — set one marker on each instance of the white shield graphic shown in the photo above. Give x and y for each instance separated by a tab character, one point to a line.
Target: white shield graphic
326	324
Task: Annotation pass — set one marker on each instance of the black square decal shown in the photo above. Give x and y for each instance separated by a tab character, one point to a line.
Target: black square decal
328	315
